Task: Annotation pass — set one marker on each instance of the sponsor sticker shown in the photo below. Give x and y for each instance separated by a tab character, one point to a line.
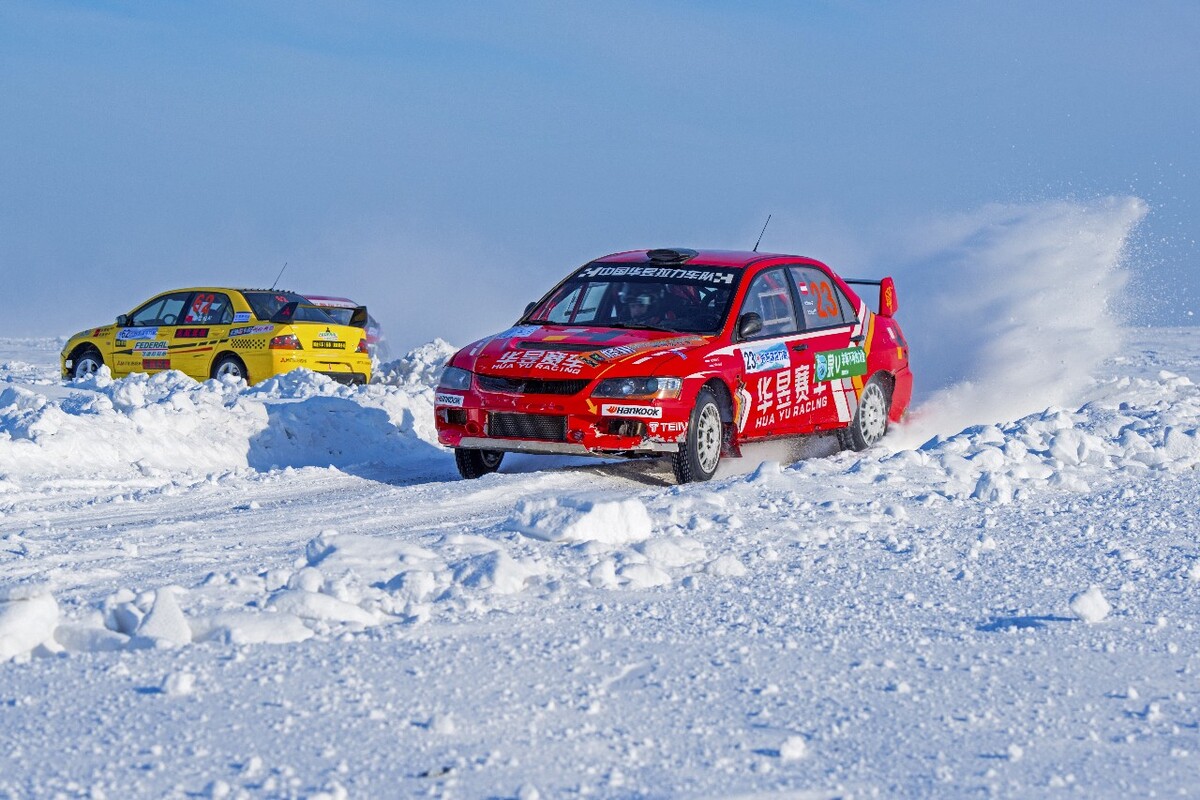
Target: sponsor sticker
623	350
156	363
251	330
328	336
833	365
518	332
132	334
765	359
615	410
442	399
191	333
714	277
241	316
150	347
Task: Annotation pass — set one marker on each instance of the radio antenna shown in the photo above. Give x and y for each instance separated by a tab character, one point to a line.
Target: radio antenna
281	269
760	233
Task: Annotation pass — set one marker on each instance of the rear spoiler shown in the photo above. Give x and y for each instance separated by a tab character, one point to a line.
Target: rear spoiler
358	318
888	304
285	314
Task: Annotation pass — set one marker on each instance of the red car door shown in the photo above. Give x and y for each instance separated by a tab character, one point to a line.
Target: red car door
831	359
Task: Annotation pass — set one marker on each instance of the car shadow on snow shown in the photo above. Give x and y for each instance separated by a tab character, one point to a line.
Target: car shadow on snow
336	432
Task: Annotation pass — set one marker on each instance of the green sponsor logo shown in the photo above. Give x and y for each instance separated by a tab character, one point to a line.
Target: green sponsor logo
833	365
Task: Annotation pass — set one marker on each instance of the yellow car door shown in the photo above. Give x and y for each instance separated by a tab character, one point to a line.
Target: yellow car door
206	322
143	337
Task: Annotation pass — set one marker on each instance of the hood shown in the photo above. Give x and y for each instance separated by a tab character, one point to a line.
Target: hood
555	351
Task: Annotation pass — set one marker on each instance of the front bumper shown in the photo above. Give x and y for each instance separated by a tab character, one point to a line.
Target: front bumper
576	425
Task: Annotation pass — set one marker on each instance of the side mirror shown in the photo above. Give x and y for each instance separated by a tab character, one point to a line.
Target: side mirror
529	308
888	304
122	320
748	325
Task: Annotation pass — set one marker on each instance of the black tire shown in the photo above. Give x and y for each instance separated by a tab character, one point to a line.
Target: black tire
86	363
698	457
474	463
870	422
229	364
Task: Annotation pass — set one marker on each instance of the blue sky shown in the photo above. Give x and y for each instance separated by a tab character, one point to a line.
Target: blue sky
445	163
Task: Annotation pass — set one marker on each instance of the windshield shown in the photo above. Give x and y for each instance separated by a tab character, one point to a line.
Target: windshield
691	299
267	304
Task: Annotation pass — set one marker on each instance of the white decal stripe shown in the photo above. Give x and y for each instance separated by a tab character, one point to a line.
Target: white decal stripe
851	396
839	400
791	337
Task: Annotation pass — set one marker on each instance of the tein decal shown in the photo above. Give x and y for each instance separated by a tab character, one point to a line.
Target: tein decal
833	365
441	399
614	410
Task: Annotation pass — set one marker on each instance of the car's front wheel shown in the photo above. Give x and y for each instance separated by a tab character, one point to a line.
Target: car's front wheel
230	365
474	463
698	457
871	420
87	363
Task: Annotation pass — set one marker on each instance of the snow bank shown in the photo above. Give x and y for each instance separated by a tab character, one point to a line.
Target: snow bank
152	425
27	621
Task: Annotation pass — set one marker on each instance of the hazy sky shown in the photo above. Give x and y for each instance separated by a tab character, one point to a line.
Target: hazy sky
445	163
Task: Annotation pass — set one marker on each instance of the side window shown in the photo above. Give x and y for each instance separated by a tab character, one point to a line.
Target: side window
821	302
165	310
770	297
209	308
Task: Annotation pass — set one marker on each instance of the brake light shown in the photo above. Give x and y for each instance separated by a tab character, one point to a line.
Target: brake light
286	342
362	346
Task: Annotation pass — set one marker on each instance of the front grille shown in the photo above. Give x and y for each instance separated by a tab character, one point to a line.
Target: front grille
545	427
494	383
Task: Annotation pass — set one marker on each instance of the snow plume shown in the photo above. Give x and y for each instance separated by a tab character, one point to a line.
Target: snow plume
1009	309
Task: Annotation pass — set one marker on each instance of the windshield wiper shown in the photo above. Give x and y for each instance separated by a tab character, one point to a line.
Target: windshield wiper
632	326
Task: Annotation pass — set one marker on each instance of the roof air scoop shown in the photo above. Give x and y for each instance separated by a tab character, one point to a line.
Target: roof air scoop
670	255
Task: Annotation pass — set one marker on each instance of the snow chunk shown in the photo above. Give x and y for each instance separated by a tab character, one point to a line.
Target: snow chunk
1090	606
315	606
26	623
165	624
573	520
793	748
245	627
497	572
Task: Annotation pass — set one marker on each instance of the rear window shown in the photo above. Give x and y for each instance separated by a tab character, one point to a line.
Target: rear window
267	304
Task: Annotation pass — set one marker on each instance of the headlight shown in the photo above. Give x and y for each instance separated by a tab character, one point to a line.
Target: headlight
639	387
455	378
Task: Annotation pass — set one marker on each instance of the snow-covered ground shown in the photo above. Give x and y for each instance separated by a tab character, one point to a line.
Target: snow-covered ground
284	590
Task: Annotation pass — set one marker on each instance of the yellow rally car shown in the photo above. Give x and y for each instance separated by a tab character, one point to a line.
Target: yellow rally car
211	332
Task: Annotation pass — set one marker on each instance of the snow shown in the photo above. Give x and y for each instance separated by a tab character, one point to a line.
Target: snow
285	591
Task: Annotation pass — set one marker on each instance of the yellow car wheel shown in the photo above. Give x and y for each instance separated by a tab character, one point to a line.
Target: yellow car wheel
232	366
87	363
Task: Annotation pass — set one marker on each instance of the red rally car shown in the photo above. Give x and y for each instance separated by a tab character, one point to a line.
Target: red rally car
679	352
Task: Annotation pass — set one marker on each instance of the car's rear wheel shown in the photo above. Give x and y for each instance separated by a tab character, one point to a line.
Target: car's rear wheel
698	457
474	463
871	420
87	363
230	365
